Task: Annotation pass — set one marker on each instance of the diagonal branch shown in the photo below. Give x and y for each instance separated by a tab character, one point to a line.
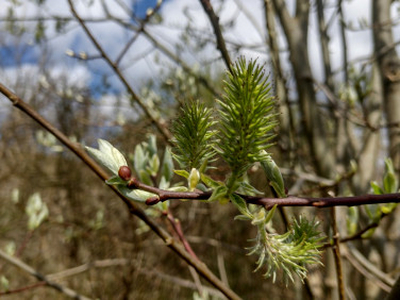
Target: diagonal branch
23	266
160	123
217	31
143	23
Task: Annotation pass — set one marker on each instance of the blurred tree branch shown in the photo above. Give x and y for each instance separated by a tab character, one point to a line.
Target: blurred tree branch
158	121
23	266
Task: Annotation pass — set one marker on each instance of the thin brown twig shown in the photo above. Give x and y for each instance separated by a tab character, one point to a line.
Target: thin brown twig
24	288
22	247
217	31
176	224
201	79
133	208
143	23
160	123
163	195
23	266
336	254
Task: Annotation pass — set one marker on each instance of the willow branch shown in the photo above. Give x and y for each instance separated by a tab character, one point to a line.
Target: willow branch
163	195
133	208
176	224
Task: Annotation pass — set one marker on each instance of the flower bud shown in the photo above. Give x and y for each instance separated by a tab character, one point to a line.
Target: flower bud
125	173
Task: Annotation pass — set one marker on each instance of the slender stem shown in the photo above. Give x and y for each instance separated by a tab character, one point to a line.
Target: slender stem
133	208
217	31
27	238
176	224
325	202
23	289
336	253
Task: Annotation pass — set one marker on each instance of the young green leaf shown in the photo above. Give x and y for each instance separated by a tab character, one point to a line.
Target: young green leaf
376	188
208	181
240	205
352	220
194	178
167	166
182	173
108	156
390	182
218	194
273	174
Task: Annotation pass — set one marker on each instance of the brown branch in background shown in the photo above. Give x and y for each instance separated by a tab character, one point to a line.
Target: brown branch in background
118	262
134	209
143	23
176	224
358	235
160	123
362	270
217	31
23	289
28	269
25	241
354	256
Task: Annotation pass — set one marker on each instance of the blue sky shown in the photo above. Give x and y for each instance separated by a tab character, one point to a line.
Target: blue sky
138	65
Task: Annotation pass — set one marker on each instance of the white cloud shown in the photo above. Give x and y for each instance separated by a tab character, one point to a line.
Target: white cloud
138	63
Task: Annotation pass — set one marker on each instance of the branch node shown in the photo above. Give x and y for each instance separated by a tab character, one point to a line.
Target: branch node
133	183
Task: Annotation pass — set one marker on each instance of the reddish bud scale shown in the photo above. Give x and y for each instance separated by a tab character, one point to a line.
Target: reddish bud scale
152	200
125	173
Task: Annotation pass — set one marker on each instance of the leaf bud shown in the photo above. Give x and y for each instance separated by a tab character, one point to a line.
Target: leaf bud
125	173
152	200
